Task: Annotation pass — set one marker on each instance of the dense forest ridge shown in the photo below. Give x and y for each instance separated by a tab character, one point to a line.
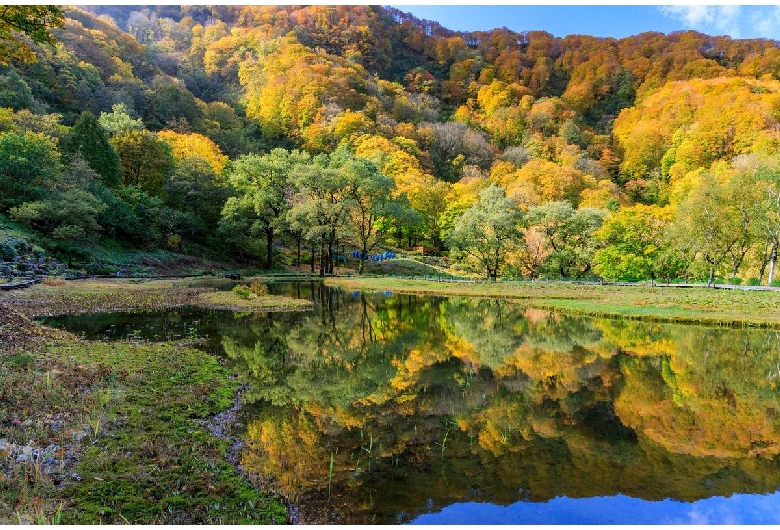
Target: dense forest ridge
252	130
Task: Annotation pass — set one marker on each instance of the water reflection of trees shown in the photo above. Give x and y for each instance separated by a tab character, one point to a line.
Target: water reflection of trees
714	395
460	398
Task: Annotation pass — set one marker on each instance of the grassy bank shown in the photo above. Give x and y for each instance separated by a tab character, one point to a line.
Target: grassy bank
664	304
60	297
117	432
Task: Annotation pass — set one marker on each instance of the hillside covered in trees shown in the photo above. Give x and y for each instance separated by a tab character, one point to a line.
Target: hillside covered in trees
282	134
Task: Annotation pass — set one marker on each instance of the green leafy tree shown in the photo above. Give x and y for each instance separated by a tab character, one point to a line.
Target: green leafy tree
131	215
170	103
29	163
430	200
23	121
709	225
369	193
89	139
744	204
569	236
145	161
69	215
402	222
194	187
634	243
766	172
320	204
119	120
262	183
15	93
486	232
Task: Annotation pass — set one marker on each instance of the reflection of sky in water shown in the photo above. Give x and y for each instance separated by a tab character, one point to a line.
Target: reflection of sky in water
737	509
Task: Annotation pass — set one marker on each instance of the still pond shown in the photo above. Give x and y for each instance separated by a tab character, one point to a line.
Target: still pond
388	408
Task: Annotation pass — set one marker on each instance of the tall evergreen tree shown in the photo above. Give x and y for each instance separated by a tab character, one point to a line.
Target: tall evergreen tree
89	139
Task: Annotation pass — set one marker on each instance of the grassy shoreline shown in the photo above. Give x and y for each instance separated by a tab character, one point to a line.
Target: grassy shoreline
61	297
696	305
119	432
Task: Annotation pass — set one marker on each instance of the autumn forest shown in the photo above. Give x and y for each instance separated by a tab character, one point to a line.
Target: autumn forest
338	264
284	135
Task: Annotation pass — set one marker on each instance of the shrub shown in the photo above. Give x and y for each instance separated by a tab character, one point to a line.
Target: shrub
174	241
734	281
242	291
100	269
775	283
12	248
752	281
259	289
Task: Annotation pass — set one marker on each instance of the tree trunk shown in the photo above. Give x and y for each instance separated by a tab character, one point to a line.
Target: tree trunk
330	256
298	261
772	261
712	276
362	259
269	247
313	248
764	263
322	257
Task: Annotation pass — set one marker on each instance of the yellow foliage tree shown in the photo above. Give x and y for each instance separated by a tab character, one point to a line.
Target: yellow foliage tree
194	144
691	124
550	182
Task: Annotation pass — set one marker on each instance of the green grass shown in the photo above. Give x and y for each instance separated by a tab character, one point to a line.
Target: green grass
405	267
229	300
10	228
667	304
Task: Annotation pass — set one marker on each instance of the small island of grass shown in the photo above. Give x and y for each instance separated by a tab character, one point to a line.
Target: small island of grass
233	301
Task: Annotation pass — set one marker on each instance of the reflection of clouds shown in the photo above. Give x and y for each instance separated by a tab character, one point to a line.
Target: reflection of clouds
735	510
696	517
719	510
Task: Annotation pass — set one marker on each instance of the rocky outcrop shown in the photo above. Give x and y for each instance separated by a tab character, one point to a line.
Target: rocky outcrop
21	263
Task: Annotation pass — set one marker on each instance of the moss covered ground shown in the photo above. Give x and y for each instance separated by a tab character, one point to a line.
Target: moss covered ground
120	432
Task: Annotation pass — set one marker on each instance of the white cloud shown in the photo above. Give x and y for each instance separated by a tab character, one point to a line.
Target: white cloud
694	16
766	22
713	20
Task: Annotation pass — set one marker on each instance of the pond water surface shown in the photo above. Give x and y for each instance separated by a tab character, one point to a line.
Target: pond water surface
392	408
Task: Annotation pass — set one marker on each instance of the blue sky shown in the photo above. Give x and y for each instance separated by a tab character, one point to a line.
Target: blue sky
756	21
